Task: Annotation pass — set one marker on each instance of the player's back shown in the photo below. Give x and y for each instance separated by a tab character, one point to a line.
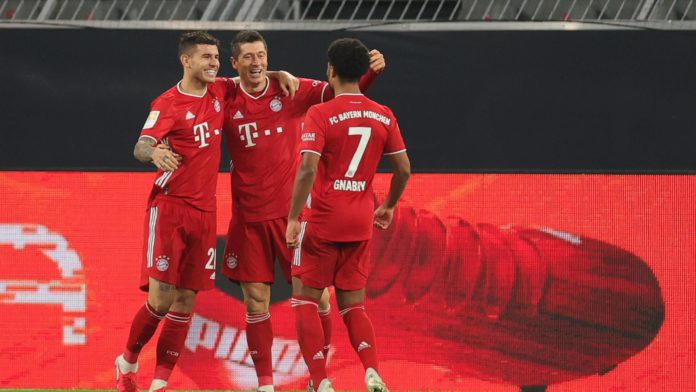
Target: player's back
351	132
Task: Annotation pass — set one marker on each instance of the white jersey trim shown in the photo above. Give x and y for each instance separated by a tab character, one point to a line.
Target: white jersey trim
312	151
299	302
297	259
151	237
268	83
178	88
395	152
323	90
163	179
149	137
361	94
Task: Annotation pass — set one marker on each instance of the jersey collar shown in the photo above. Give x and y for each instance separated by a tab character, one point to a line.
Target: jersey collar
178	88
268	83
349	94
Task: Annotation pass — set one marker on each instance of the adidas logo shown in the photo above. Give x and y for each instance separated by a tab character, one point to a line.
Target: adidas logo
319	355
363	345
190	115
238	115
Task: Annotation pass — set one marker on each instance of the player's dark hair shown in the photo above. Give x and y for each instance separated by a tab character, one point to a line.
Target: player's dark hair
189	41
246	37
349	58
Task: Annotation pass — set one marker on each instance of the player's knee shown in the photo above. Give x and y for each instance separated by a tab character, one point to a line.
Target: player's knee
256	304
346	299
257	296
183	301
160	305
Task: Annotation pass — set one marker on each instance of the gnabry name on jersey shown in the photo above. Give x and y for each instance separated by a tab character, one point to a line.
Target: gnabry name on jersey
248	132
349	185
359	114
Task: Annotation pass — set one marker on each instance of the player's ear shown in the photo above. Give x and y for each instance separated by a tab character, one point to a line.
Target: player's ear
184	59
233	62
329	71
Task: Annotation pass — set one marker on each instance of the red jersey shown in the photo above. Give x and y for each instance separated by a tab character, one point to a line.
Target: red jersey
192	126
351	133
262	133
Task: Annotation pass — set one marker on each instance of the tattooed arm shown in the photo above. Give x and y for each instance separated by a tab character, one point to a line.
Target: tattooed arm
148	151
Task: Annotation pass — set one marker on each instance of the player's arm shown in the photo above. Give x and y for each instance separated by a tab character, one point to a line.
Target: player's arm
402	171
303	185
288	83
148	151
377	65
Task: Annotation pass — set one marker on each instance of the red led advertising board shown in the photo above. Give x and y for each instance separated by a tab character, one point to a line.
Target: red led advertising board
483	283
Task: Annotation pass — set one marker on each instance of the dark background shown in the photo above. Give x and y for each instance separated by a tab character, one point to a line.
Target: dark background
468	101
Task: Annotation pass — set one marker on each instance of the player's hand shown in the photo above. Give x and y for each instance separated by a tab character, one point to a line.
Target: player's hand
165	159
377	62
383	217
288	83
292	233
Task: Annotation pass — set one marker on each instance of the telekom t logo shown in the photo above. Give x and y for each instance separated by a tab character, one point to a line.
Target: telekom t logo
248	132
201	134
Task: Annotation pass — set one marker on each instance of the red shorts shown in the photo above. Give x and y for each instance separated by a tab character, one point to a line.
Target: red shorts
319	263
253	247
179	246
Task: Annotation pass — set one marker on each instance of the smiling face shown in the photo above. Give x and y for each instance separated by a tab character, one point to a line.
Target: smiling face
251	64
202	62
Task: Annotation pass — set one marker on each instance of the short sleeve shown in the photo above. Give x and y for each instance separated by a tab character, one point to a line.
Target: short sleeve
159	122
313	133
313	91
395	142
226	88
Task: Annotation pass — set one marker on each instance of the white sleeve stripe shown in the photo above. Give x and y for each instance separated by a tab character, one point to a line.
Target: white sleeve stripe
312	151
395	152
323	91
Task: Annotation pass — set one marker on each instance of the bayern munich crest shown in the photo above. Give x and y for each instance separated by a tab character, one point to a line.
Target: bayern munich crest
162	263
276	105
216	104
232	261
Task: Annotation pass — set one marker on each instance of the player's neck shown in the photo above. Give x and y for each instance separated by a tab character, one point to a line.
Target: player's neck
192	86
346	88
254	88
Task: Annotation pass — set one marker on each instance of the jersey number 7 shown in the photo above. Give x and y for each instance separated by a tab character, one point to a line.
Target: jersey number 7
365	133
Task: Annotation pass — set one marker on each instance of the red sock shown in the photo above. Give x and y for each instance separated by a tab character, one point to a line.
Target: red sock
325	316
362	335
171	340
310	336
259	334
143	327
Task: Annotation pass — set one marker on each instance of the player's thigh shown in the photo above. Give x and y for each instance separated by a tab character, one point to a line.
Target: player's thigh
197	269
352	266
276	229
164	243
314	260
248	253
